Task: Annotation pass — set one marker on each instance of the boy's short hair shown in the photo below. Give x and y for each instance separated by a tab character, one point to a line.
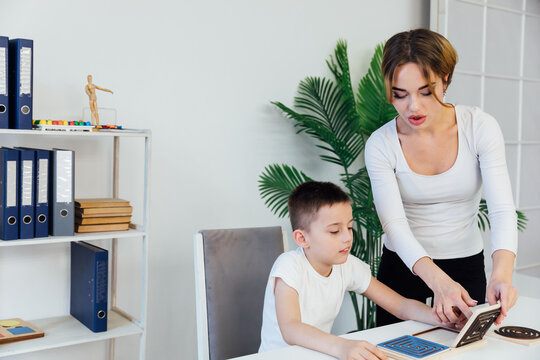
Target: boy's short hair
306	200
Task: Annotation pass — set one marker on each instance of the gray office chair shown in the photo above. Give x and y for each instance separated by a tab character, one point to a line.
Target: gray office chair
231	272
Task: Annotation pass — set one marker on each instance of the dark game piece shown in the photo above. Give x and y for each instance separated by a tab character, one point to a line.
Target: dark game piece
518	332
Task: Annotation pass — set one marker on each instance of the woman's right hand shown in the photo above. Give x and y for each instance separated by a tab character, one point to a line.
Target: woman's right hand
450	300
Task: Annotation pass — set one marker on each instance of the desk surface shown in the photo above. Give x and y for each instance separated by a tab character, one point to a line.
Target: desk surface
526	313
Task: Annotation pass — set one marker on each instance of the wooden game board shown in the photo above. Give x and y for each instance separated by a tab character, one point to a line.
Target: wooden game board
411	347
440	342
533	340
17	329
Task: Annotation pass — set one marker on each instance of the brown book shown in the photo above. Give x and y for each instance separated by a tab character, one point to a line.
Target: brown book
101	227
104	211
83	216
100	202
102	220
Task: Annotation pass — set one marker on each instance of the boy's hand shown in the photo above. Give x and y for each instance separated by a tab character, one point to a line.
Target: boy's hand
455	326
459	323
359	349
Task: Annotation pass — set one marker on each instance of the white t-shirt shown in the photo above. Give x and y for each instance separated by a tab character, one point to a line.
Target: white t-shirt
320	297
436	215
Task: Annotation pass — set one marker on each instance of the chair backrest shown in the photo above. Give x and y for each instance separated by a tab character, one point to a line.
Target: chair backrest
231	273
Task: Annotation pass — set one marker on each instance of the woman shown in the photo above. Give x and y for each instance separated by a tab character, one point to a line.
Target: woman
427	168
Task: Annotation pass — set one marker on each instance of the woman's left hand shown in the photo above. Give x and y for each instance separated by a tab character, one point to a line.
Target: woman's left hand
504	291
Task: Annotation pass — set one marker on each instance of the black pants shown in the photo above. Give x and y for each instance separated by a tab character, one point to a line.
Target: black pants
468	272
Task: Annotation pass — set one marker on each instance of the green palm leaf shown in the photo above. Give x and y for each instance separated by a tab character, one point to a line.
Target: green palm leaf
339	66
275	185
521	221
371	105
325	116
483	218
363	206
359	186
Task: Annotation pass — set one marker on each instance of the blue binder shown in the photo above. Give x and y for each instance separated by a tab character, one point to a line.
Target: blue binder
41	193
61	198
4	85
21	77
26	193
89	276
9	185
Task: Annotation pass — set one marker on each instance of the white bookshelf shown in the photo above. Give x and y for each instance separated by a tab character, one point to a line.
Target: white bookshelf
66	330
78	237
101	133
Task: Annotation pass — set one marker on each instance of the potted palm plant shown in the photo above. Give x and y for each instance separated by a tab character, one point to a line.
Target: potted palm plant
341	120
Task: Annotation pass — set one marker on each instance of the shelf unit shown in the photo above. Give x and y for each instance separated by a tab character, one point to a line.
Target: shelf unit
66	330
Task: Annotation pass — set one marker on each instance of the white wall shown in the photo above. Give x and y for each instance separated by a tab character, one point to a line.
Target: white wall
201	75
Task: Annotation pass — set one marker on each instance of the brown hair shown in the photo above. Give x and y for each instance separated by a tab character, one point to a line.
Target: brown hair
431	51
306	200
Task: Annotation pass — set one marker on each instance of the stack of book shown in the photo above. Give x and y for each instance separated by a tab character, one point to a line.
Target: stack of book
93	215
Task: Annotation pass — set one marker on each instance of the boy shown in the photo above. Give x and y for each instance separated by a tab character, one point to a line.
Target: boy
306	286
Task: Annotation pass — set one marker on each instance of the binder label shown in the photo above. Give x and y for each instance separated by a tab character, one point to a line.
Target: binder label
27	177
11	184
43	173
3	72
26	71
101	281
64	176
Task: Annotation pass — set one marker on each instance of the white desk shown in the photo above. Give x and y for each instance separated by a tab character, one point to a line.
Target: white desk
526	313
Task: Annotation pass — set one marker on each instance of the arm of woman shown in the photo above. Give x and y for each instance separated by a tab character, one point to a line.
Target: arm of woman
502	212
447	293
500	284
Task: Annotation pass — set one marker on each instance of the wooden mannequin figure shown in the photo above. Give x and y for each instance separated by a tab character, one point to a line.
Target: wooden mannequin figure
90	90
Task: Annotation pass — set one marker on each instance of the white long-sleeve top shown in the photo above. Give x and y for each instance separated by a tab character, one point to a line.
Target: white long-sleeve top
436	215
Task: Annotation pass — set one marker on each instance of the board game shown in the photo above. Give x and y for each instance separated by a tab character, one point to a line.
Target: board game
440	342
517	334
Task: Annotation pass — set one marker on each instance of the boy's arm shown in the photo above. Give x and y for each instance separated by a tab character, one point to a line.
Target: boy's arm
295	332
399	306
